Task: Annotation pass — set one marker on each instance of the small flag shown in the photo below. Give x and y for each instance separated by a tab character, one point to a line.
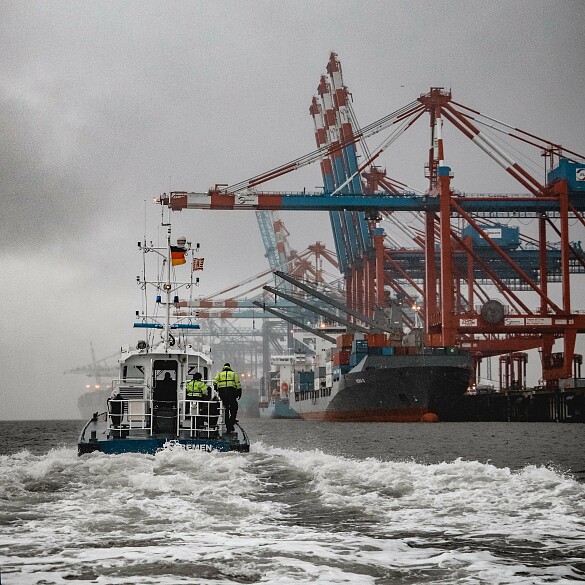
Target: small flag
198	264
177	255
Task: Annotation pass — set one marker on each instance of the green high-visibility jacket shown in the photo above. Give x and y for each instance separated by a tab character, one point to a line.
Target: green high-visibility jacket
196	389
227	378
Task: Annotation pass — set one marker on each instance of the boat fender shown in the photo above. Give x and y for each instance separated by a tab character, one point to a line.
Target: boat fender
284	387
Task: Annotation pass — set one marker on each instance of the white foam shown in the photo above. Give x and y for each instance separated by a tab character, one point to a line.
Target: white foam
281	516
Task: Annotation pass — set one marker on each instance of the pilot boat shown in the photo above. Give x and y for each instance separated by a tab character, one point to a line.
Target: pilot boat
148	409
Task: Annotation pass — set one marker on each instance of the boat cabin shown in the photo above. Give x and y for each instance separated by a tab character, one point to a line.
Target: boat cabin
149	397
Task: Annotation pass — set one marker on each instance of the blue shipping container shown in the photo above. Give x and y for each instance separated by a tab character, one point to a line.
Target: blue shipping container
503	235
573	172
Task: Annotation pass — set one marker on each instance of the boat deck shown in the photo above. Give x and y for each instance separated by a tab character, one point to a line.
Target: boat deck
123	433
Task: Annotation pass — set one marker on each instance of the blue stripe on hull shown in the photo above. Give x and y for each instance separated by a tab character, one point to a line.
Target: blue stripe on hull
152	445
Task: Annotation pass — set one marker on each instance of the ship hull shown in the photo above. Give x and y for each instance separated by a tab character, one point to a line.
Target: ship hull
278	408
391	389
95	436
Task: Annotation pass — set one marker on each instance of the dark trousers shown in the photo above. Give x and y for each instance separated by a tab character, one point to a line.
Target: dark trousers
116	410
230	403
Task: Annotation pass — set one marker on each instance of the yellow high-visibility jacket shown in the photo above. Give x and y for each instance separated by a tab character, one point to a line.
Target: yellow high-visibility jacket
227	378
196	389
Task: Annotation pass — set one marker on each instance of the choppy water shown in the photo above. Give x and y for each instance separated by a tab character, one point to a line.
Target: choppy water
312	503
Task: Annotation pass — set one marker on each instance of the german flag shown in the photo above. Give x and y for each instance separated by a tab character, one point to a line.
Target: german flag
177	255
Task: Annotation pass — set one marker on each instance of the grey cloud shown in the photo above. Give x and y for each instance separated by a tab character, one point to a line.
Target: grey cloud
105	104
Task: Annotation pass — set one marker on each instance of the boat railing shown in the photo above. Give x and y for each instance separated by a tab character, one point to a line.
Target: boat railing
201	418
129	414
129	410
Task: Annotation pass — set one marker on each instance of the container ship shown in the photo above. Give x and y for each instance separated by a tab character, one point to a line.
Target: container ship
376	378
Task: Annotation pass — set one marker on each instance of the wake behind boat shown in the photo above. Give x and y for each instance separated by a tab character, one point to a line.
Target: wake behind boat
149	408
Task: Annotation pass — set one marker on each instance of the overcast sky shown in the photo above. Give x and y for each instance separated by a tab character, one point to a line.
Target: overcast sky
105	104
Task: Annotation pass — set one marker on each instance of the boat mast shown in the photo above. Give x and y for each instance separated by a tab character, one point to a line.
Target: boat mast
167	288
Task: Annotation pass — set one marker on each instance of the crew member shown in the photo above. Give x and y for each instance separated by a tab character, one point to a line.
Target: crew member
196	389
116	408
166	390
229	389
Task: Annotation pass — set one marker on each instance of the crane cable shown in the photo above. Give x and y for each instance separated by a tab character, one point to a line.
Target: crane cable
390	140
325	150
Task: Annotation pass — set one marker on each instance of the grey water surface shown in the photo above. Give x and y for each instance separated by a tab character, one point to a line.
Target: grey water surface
363	503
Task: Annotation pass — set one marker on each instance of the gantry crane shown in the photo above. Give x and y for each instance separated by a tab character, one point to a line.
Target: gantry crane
458	263
282	257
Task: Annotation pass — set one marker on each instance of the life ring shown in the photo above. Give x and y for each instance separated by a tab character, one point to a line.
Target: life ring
284	387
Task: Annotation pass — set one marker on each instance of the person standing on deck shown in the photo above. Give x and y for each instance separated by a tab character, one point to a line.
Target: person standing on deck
229	389
196	389
116	408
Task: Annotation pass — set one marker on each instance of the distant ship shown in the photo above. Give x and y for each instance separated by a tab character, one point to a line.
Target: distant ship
277	407
93	401
281	382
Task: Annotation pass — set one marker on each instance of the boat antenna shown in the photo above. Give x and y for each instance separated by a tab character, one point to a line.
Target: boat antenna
167	288
144	263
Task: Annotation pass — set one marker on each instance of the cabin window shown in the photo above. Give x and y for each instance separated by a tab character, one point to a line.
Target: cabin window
133	372
196	368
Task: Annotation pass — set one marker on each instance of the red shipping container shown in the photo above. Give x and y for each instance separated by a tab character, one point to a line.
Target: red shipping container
345	340
341	358
376	339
